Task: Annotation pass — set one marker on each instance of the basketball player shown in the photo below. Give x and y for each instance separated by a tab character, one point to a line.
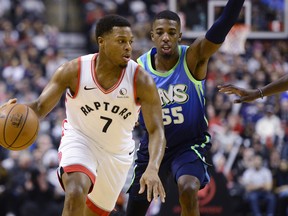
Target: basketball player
248	95
104	92
179	73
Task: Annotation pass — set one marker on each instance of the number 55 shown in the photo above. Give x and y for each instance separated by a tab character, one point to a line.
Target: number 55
174	115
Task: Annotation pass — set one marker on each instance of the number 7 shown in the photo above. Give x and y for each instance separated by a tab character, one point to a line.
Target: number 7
109	121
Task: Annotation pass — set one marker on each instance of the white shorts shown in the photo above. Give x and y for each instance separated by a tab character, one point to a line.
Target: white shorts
108	172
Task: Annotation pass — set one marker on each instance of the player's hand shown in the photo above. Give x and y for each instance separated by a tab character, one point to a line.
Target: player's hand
11	101
151	180
245	95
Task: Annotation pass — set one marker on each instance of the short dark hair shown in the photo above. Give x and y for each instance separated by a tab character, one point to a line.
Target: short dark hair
106	24
167	14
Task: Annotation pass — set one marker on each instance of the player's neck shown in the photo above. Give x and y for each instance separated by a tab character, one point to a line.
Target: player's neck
165	63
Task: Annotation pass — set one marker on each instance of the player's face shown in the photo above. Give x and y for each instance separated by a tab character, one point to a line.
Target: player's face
117	46
166	35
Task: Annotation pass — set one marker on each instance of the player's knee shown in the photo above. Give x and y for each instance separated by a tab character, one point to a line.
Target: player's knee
76	193
188	193
74	197
76	185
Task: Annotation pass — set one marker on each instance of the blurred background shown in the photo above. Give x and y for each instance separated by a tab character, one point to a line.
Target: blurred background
37	36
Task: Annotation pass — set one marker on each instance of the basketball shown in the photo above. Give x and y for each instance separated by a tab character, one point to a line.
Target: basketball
19	126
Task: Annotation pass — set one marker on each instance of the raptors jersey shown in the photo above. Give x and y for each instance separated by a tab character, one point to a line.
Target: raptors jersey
106	117
183	103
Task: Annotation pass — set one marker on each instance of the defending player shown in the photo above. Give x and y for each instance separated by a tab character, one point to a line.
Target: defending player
179	73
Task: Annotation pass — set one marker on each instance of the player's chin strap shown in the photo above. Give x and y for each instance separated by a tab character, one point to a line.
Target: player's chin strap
224	23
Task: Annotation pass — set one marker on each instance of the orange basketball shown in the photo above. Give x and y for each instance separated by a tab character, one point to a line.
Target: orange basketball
19	126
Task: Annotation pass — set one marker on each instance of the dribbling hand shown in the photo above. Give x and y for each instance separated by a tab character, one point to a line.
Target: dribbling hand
11	101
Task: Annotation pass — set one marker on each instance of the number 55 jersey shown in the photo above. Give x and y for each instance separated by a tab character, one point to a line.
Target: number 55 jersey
183	105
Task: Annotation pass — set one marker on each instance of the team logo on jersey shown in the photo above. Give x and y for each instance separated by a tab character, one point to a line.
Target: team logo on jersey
174	94
123	93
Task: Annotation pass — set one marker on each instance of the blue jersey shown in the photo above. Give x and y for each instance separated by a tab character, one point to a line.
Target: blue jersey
183	104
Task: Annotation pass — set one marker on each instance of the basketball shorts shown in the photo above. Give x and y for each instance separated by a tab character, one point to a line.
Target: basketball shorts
107	172
177	164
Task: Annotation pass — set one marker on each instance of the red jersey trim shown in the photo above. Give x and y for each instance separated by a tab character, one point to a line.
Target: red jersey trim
95	208
81	168
75	168
63	128
93	70
135	84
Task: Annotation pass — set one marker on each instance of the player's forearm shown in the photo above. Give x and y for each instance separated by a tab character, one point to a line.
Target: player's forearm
224	23
157	145
276	87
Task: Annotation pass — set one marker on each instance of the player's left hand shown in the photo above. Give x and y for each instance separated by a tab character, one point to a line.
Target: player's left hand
151	180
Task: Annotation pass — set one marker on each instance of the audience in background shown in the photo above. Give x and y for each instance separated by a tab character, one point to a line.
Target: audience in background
29	53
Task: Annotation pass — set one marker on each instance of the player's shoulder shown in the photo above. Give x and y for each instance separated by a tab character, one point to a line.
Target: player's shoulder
75	64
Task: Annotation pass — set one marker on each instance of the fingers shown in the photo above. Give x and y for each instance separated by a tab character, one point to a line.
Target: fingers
227	89
142	186
162	193
149	192
156	189
10	101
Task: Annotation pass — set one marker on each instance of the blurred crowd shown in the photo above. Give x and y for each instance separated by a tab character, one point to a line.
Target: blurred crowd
247	138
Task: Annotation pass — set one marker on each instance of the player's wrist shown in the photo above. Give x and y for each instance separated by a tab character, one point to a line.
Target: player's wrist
260	93
153	167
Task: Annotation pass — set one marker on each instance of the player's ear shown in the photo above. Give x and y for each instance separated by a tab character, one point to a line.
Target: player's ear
180	37
152	35
100	40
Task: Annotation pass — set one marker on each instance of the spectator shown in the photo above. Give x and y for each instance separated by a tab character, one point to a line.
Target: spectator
258	183
269	128
281	183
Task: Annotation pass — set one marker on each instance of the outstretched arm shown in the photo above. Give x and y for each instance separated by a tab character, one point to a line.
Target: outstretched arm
148	97
218	31
204	47
248	95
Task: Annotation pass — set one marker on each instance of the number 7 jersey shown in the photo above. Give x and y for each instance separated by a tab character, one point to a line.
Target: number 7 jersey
183	102
107	117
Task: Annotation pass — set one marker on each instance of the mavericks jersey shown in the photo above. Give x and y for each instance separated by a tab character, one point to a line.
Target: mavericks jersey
183	103
107	117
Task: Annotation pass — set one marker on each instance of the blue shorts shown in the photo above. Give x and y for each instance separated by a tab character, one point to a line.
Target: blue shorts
177	164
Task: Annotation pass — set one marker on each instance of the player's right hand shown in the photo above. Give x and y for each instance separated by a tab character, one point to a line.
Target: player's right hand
11	101
151	180
245	95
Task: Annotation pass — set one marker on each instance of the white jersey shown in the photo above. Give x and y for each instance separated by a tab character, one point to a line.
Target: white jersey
105	116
